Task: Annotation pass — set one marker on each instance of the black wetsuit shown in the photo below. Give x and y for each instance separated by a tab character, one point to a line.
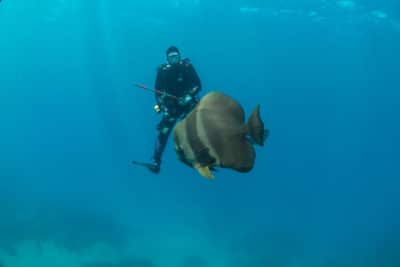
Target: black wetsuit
178	80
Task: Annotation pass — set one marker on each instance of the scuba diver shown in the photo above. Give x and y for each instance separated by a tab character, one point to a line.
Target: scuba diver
177	85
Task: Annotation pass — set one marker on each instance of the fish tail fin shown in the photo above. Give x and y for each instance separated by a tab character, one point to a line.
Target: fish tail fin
255	127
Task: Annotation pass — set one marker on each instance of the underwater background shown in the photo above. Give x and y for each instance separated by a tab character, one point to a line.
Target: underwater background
325	187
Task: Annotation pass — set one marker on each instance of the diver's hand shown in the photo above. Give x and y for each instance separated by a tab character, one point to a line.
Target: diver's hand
161	96
164	95
194	90
182	101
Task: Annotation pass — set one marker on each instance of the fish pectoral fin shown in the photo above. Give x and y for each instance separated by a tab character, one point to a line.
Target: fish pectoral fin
205	172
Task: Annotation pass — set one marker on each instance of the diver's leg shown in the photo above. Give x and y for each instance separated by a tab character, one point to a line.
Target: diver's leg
164	130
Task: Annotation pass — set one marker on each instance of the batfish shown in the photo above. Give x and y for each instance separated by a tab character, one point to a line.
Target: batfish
215	134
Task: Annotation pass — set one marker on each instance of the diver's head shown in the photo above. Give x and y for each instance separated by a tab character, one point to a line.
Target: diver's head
173	55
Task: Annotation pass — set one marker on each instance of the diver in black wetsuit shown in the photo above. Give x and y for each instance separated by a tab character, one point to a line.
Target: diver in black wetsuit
180	84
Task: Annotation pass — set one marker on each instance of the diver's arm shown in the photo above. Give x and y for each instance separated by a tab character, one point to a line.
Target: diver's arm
193	86
159	85
196	83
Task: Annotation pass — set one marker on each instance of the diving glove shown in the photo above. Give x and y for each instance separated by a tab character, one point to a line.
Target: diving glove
185	100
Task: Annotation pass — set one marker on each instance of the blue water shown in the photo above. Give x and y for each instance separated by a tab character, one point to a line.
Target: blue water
324	190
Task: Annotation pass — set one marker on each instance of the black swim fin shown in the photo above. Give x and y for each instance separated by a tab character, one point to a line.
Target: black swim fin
153	167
